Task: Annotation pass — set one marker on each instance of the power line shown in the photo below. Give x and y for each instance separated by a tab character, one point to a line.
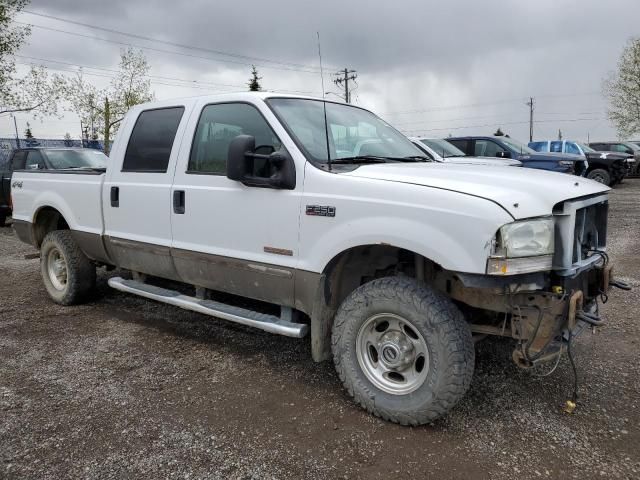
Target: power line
452	107
155	79
116	71
153	82
497	124
174	44
153	49
482	104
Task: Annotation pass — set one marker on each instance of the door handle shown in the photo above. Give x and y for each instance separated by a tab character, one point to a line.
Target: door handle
115	197
178	202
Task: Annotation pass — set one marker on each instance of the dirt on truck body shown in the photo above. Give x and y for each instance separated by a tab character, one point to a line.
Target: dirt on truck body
122	387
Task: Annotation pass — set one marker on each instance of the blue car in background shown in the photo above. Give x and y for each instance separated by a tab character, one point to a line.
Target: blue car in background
506	147
609	168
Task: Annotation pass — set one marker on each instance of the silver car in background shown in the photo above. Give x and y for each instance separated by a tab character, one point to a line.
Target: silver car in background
442	151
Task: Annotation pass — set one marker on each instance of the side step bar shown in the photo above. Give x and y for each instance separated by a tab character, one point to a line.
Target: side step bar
262	321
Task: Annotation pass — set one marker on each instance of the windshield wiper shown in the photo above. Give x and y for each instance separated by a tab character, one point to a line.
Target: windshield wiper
360	159
378	159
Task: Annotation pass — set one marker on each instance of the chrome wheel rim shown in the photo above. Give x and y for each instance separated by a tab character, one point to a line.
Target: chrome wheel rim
57	269
392	354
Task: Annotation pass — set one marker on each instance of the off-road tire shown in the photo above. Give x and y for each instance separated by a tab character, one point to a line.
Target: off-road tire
3	220
81	273
444	329
600	175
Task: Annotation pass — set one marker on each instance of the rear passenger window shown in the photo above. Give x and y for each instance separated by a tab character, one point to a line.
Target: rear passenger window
151	140
460	144
556	146
221	123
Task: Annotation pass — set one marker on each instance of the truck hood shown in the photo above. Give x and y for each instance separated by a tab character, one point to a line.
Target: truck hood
607	156
521	192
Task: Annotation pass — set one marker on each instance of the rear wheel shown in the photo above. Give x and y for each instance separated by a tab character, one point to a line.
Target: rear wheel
402	350
3	219
600	175
67	273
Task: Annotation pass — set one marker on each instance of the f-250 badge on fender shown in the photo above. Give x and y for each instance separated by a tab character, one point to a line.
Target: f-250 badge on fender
16	185
321	211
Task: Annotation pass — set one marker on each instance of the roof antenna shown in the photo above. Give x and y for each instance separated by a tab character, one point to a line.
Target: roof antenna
324	107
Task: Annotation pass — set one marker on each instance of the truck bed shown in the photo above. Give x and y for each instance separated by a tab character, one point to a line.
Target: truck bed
76	194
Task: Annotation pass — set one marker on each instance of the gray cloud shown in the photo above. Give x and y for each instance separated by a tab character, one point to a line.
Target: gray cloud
412	55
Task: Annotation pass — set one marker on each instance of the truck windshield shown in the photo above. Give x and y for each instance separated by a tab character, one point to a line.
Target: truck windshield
586	148
516	146
352	131
442	147
87	158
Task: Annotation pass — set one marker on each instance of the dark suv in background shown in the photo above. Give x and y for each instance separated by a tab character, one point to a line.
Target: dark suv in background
506	147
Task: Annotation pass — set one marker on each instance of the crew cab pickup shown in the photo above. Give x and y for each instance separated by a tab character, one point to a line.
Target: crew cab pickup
324	221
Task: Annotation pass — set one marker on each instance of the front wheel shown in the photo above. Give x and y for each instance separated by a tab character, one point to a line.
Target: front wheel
402	350
67	273
600	175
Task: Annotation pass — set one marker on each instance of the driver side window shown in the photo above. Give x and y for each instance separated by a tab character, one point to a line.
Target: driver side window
487	148
218	125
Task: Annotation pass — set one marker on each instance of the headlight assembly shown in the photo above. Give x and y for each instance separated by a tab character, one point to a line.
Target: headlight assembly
522	247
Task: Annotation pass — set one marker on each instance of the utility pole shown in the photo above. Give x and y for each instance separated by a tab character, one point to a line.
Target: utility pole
343	80
15	124
530	104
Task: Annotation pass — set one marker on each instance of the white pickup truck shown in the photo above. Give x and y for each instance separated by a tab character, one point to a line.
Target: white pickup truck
392	264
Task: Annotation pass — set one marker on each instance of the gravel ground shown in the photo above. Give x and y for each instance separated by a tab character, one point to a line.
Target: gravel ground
126	388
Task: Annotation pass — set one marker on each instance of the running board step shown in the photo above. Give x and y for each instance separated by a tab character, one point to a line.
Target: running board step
262	321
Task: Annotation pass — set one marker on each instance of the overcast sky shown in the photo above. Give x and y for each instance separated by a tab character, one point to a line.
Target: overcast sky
428	67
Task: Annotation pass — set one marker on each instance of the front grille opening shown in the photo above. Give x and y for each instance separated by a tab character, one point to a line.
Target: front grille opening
589	230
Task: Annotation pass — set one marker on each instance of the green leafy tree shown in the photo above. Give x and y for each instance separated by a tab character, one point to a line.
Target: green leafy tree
622	89
27	132
37	92
254	81
105	109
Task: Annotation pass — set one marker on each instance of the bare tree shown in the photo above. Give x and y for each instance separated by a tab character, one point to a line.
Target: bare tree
104	109
622	89
37	92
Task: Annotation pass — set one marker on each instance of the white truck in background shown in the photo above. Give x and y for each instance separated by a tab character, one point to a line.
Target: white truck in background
335	226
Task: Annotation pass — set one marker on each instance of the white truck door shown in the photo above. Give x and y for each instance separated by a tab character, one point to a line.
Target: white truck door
136	196
227	236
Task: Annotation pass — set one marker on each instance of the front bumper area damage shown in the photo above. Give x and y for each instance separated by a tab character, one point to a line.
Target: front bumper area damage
541	311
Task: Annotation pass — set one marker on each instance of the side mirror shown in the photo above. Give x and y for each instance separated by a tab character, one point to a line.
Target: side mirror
503	154
276	170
